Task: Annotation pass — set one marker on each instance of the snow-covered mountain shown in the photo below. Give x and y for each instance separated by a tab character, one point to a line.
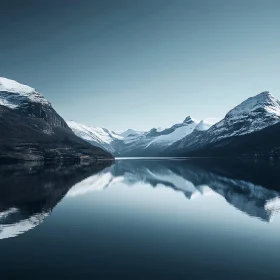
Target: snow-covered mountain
100	137
14	94
251	128
31	129
254	114
132	142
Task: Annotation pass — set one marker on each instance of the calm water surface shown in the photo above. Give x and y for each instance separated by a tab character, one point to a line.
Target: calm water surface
141	219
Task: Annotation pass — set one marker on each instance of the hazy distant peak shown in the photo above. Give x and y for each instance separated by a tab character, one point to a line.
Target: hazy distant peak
206	124
189	120
128	132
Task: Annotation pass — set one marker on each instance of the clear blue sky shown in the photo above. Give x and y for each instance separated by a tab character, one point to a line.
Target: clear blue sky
142	64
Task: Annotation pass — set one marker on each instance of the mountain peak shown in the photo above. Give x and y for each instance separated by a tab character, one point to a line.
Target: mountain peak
14	94
189	120
263	101
128	132
15	87
264	93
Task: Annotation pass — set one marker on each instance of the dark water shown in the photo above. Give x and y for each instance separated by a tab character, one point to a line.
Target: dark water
141	219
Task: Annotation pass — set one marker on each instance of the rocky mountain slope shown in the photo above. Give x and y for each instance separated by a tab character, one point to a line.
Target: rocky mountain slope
30	129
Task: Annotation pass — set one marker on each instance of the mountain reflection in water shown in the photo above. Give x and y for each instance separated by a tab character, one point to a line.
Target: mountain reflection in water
29	192
251	187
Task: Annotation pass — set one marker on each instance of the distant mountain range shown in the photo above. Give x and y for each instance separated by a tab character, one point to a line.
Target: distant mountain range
30	129
132	142
250	129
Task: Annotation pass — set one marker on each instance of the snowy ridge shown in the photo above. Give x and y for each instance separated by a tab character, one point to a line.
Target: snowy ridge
254	114
97	136
14	94
264	100
180	131
101	135
156	138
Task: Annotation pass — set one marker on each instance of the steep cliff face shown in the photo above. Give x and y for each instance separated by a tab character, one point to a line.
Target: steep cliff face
30	129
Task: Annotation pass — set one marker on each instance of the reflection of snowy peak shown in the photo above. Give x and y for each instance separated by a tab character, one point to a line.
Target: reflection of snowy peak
252	199
30	192
13	222
248	198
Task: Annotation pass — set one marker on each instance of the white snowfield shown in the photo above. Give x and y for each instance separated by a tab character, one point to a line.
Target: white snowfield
14	94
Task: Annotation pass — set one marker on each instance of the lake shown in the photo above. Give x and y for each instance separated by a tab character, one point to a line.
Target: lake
141	219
